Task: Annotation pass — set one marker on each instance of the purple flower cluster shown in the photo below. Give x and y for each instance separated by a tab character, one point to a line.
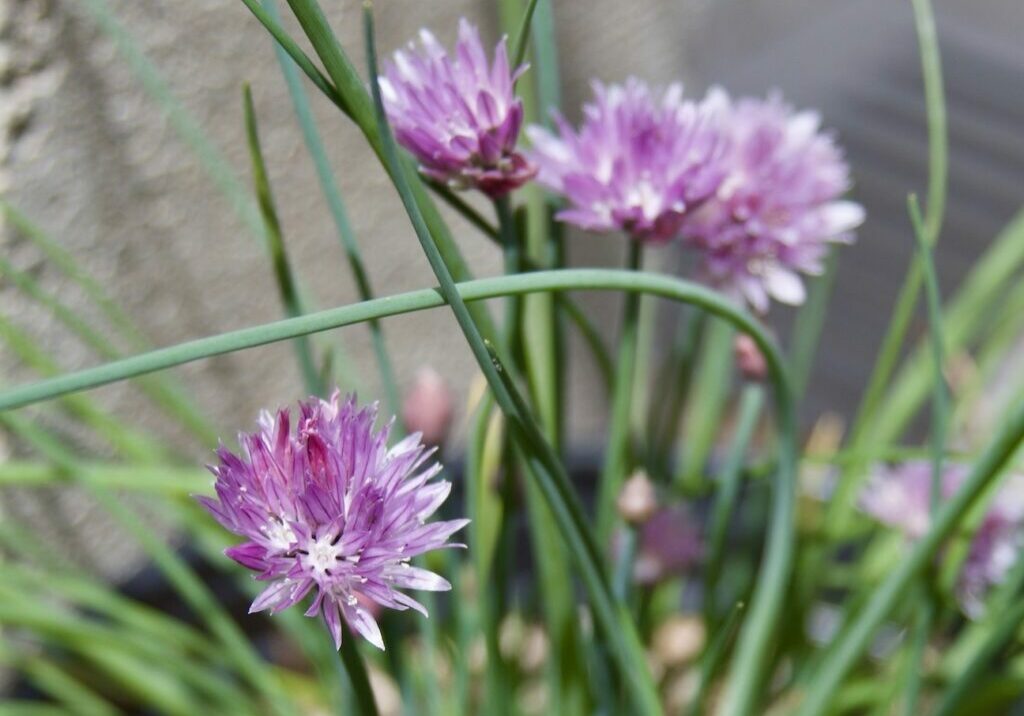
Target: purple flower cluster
900	497
752	186
641	161
459	117
329	507
778	206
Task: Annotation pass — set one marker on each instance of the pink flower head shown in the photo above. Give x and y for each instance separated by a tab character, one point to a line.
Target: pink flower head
331	508
459	117
899	497
641	161
778	208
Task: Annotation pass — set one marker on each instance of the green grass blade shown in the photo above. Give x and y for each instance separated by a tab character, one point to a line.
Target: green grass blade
940	393
56	683
178	573
159	479
522	40
863	430
713	381
164	394
728	490
132	443
332	194
215	164
1007	627
938	147
275	244
809	322
174	395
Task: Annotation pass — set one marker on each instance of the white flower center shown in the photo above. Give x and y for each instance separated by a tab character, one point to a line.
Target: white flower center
644	196
322	556
278	533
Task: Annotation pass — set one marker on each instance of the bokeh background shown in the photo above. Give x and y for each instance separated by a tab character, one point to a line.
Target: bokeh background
89	150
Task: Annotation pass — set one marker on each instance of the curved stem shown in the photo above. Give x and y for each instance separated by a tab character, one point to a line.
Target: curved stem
582	279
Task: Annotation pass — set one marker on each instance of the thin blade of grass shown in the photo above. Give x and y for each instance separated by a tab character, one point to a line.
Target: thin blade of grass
332	195
166	395
862	432
713	382
212	160
809	322
729	479
283	273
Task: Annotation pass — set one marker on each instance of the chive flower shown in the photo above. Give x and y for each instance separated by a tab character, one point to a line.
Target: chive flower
330	508
458	116
641	161
899	497
779	206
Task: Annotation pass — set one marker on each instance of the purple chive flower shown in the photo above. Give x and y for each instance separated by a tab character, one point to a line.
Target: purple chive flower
669	544
459	117
778	208
331	508
641	161
899	497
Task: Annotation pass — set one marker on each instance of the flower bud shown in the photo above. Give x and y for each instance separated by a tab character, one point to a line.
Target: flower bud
678	640
428	407
637	500
749	358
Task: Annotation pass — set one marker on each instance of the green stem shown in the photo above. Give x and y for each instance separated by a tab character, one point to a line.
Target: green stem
357	674
713	657
751	403
422	299
350	94
623	576
678	376
1005	630
329	187
275	246
809	322
940	394
512	251
616	461
862	433
523	36
712	385
462	206
918	644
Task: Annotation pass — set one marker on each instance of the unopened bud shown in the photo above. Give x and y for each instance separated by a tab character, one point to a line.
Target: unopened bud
678	640
749	358
428	407
637	499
